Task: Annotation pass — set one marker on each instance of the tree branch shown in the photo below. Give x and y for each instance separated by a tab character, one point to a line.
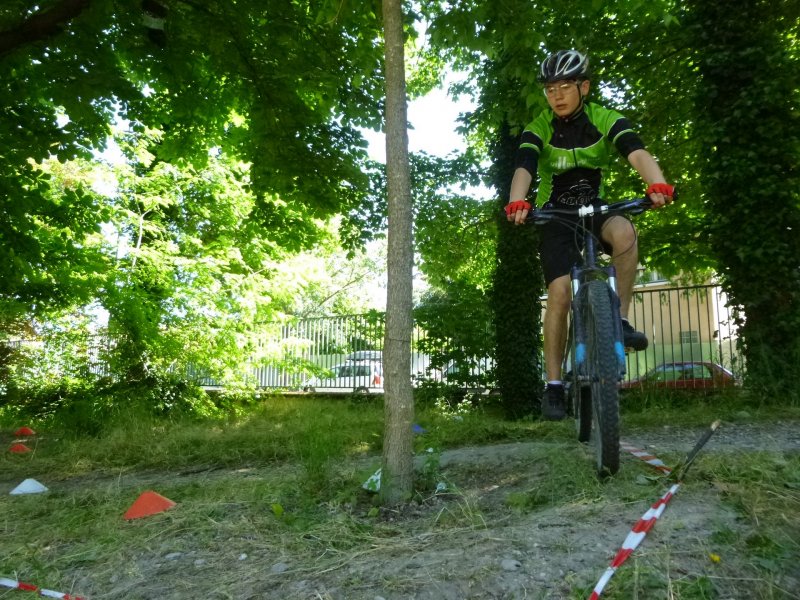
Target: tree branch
41	25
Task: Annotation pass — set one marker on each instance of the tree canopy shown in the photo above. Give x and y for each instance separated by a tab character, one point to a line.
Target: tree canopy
282	86
238	126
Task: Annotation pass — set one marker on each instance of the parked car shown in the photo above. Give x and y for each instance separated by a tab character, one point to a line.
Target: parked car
360	376
695	375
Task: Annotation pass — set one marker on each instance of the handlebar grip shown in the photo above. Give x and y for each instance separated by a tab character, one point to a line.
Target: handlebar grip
674	194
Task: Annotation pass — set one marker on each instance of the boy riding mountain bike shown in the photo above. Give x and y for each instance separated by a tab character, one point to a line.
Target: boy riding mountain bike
569	146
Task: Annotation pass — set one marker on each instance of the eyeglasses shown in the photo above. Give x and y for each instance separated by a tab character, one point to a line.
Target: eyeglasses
563	87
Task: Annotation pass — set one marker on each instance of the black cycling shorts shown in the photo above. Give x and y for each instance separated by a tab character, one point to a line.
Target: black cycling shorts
560	245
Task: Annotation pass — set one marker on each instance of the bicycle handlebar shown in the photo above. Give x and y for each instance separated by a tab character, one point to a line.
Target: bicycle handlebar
634	206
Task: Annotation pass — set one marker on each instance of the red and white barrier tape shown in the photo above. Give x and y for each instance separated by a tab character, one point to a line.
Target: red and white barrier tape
27	587
635	537
648	520
650	459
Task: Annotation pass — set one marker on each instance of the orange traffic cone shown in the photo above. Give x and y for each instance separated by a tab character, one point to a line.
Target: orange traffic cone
23	431
19	449
149	503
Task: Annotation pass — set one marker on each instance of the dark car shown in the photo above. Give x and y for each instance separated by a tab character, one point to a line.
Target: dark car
695	376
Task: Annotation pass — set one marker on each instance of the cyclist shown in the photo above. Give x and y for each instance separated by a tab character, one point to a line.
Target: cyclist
569	146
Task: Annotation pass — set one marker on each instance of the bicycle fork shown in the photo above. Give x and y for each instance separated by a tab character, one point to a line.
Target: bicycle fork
578	328
619	339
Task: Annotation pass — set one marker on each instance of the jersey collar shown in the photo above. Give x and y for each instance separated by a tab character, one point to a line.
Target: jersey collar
574	116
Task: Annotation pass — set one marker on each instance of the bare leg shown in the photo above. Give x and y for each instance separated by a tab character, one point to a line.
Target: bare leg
621	235
555	326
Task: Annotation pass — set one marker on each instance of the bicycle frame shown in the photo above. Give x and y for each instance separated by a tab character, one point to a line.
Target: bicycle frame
588	270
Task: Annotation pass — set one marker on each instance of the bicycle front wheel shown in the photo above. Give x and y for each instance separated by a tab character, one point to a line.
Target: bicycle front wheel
603	375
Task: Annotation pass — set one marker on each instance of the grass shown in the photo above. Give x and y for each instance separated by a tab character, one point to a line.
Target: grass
653	409
281	484
311	431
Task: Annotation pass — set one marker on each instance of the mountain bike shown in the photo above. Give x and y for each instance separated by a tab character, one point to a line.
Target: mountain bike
596	362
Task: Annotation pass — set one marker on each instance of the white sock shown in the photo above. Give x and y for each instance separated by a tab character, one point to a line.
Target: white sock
554	382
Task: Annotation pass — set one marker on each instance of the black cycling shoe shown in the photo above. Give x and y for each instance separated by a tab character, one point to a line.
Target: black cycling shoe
635	340
553	405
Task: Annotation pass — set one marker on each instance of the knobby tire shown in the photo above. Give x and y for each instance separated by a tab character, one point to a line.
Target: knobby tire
603	372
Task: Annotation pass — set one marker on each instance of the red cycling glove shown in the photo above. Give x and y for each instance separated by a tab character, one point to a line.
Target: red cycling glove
516	205
661	188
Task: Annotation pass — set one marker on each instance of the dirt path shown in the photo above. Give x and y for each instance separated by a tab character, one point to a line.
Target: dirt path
515	522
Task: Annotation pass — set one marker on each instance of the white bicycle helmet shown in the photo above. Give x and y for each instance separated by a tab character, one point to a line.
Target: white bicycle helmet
564	64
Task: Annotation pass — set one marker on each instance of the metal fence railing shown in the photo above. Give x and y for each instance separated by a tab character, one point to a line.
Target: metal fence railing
691	323
684	324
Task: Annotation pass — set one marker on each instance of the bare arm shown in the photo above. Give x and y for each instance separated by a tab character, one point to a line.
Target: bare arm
646	165
520	185
648	168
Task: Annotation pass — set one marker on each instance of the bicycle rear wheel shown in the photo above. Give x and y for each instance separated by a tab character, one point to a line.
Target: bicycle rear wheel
603	375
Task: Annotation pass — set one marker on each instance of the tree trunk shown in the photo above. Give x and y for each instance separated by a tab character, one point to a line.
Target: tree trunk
397	474
516	289
752	131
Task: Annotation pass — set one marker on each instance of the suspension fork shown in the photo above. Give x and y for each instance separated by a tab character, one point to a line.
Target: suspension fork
619	344
578	326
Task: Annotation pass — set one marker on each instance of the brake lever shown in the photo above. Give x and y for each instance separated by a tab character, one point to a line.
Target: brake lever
640	209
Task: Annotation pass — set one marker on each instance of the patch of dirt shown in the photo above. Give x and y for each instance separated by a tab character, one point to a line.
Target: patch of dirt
739	437
474	543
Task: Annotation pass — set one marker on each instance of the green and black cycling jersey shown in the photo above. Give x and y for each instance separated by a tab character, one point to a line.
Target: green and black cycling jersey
570	154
